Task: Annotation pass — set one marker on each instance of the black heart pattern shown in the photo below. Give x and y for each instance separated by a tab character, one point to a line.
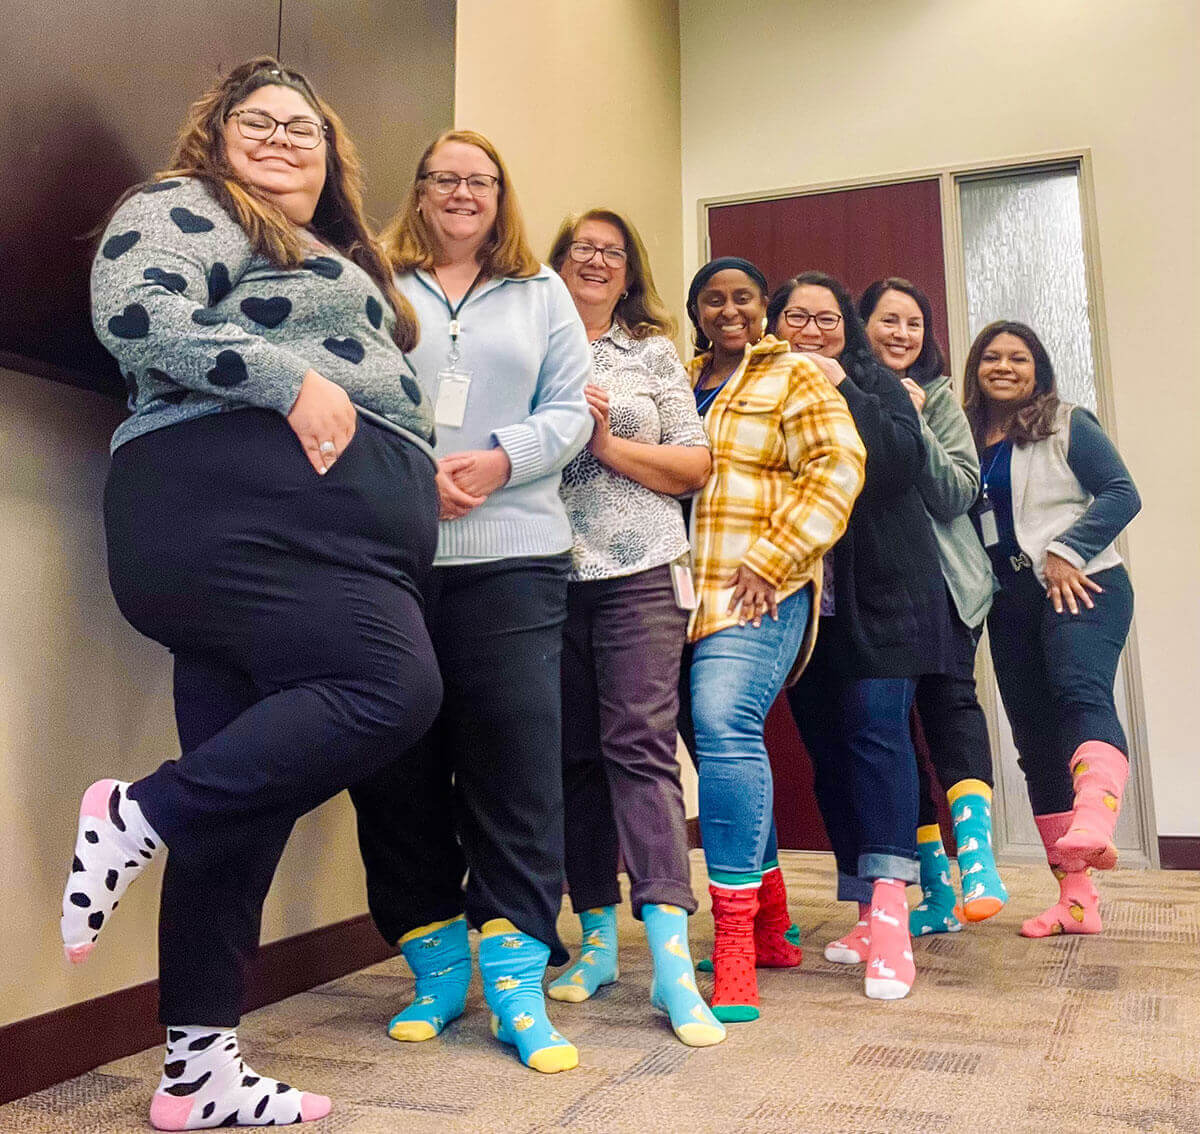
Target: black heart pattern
162	186
132	323
188	221
268	312
374	312
348	348
218	283
172	281
118	245
207	317
230	370
323	266
411	389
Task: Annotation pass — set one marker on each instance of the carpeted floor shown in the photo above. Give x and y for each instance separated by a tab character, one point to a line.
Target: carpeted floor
1001	1034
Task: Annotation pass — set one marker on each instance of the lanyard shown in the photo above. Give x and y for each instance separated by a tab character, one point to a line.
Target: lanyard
454	309
703	403
991	467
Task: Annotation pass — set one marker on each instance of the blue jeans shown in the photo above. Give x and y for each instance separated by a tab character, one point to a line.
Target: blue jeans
736	675
864	773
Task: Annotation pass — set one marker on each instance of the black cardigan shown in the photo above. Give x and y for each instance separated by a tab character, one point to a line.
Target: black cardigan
891	612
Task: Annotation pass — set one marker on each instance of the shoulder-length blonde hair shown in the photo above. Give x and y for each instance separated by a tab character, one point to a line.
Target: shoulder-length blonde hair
410	243
640	310
339	219
1034	421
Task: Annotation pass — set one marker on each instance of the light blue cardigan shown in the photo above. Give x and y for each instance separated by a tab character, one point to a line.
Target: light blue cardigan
524	345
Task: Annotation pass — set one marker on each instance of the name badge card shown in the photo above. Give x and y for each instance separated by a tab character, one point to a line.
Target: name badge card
988	531
450	408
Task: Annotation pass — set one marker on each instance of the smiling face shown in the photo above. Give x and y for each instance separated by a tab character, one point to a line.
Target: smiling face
292	177
460	220
594	284
821	303
896	330
1007	372
730	309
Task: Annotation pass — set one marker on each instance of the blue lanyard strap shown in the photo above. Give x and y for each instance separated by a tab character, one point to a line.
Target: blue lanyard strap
702	403
1000	447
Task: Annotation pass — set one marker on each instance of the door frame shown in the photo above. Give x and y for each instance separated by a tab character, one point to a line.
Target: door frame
949	177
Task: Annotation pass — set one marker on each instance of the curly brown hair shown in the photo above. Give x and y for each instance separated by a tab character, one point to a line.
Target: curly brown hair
1034	421
640	310
339	219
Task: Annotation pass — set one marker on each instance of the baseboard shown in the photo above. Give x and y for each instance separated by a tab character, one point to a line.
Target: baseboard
44	1050
1179	852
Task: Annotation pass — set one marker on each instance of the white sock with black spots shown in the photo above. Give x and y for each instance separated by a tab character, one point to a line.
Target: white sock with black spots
113	844
206	1083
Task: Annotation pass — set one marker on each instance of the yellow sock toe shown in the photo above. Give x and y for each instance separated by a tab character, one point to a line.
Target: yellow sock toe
549	1060
700	1035
412	1030
571	993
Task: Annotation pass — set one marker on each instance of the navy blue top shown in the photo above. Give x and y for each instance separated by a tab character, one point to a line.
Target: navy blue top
995	468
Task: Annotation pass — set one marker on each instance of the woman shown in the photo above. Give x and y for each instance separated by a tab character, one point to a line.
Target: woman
884	623
1055	496
899	323
625	627
503	345
263	529
787	466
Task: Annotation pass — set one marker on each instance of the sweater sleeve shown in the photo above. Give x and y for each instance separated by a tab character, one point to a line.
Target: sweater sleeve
1097	465
169	255
949	479
888	424
827	458
559	425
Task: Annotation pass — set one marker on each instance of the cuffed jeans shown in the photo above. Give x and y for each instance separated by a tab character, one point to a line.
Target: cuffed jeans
736	675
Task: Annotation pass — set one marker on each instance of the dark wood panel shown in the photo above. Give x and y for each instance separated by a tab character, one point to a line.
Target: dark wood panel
91	95
1179	852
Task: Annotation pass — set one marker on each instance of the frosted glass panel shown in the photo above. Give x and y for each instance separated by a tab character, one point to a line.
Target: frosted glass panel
1023	248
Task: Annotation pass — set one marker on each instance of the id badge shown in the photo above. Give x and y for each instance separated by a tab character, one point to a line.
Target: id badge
682	585
988	531
450	407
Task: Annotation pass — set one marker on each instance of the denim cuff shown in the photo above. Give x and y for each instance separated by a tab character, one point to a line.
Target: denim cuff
851	888
902	867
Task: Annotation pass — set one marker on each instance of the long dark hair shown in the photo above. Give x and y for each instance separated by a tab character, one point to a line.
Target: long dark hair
857	358
1034	421
929	363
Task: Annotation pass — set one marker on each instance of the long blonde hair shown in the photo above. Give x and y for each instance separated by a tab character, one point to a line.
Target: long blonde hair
410	243
339	219
640	310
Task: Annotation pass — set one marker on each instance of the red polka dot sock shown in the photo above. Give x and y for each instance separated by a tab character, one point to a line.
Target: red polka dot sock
890	968
772	949
1100	772
735	984
206	1083
114	842
852	949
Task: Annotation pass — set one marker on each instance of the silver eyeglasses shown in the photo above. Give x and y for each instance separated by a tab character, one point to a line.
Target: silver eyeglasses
581	252
443	182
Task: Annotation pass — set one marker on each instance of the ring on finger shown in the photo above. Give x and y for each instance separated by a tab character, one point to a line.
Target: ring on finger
327	447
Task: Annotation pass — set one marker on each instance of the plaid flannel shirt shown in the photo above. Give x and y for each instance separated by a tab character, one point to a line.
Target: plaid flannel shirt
788	465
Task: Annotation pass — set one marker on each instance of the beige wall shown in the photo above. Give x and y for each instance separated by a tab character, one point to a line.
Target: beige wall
582	99
840	89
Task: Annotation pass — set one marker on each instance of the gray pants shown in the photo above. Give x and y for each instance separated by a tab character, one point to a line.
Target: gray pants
621	649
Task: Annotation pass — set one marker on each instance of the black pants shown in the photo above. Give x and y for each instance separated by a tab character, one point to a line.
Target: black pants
489	770
621	785
1056	675
953	722
301	659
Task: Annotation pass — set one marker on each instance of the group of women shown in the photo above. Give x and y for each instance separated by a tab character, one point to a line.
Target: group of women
423	518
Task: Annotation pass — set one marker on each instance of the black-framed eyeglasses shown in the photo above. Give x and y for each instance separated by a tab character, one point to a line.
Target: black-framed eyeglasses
443	182
797	318
258	126
581	251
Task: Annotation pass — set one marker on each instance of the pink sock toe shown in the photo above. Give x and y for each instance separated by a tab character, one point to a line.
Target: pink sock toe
77	954
313	1106
95	800
169	1113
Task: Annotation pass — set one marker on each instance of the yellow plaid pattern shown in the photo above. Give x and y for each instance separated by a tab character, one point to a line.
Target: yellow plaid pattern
788	465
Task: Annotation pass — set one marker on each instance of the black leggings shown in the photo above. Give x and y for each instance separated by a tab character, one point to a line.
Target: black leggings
302	662
1056	675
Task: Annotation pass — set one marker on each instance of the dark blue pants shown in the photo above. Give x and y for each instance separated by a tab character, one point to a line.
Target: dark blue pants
865	773
1056	675
302	662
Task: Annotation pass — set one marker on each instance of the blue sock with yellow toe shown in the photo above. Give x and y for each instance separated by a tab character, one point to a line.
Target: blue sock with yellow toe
512	965
440	959
673	990
597	964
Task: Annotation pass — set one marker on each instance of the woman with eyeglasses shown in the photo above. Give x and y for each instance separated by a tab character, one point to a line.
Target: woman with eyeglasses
506	357
1056	495
884	622
626	622
899	322
787	467
271	515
